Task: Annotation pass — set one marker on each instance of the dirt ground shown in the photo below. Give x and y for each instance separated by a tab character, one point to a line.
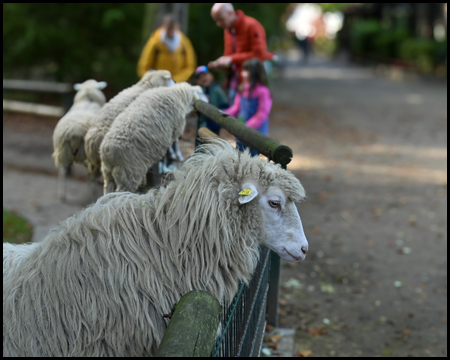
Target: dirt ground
371	153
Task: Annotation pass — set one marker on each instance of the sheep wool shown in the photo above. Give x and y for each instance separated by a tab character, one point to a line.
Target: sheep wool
143	132
114	107
68	136
99	283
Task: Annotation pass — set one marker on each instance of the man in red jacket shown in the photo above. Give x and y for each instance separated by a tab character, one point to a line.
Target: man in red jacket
244	38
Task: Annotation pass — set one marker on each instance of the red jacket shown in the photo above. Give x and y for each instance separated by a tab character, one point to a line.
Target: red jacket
250	41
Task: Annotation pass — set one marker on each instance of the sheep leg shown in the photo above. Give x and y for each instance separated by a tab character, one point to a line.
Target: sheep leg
108	186
172	153
62	173
92	180
178	151
144	181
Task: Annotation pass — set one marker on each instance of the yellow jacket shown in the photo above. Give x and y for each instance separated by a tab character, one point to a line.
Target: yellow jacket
155	55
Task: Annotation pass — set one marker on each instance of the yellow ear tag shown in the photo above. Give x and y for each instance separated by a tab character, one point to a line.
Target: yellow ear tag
245	192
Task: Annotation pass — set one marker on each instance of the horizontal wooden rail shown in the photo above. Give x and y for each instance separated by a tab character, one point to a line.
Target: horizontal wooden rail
271	148
31	108
37	86
205	133
192	328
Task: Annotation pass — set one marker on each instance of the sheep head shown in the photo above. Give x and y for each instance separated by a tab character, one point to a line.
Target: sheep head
198	93
281	226
156	78
90	90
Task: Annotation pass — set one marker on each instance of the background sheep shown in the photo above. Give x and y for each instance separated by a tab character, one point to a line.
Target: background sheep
114	107
143	132
68	136
99	284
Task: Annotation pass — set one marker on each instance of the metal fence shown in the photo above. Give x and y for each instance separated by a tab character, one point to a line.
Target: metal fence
244	321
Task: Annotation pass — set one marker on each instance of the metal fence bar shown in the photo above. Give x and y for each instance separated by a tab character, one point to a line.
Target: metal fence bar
274	289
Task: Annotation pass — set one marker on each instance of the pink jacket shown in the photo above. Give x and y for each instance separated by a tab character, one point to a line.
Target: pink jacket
260	92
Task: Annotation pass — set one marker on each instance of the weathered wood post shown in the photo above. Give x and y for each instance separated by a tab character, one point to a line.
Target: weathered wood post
192	328
275	151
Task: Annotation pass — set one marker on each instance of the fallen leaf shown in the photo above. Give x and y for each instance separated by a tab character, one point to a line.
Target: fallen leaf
269	328
273	346
317	331
377	211
294	283
275	338
327	288
304	353
404	335
282	302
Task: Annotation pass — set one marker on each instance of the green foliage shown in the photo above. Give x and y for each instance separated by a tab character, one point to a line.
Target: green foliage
386	43
332	7
72	42
423	53
16	230
370	38
362	36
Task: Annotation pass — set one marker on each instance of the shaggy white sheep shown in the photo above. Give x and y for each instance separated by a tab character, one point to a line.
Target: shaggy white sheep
143	132
68	136
113	108
99	284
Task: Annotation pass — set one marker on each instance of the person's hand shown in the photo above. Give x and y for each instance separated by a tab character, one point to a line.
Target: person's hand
212	64
224	61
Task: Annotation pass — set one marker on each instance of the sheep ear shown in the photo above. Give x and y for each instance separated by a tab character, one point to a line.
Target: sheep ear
101	84
77	87
170	82
248	193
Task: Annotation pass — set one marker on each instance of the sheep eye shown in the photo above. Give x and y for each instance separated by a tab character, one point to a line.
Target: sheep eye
274	204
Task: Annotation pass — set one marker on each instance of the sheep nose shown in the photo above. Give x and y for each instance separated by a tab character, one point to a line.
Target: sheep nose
304	249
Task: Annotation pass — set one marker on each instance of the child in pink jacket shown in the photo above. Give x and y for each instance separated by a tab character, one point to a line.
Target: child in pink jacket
253	103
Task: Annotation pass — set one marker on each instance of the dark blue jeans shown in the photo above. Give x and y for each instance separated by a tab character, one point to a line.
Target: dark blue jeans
241	147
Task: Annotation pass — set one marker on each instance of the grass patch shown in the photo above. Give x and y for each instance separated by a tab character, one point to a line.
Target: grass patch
16	230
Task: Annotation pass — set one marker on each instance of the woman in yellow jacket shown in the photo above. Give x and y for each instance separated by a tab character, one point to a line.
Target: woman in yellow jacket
168	49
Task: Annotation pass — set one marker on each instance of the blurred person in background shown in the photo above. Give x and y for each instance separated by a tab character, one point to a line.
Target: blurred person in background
168	49
214	93
253	102
244	38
